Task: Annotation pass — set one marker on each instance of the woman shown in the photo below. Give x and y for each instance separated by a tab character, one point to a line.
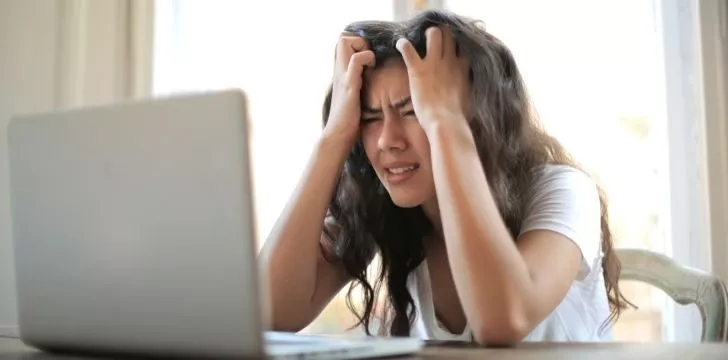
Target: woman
432	158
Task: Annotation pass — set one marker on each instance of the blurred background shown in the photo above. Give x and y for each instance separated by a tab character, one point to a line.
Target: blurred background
635	89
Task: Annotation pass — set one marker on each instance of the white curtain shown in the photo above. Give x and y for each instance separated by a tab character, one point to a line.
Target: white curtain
59	54
104	51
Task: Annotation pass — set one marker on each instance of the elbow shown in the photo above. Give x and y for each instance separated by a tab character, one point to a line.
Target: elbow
284	327
285	321
280	316
502	331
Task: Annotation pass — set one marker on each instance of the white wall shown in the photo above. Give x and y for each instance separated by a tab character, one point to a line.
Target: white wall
28	44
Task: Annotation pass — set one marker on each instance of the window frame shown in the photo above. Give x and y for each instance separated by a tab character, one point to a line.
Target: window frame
694	43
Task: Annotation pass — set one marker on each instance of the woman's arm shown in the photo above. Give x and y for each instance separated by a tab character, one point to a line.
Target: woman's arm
506	288
301	280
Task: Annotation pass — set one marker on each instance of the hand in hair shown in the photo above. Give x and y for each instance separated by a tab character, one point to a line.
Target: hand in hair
352	55
439	81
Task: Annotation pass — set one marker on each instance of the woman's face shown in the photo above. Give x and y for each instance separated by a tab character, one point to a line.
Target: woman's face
394	141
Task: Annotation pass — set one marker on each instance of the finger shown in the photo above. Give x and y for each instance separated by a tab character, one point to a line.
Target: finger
448	43
434	41
350	42
346	47
354	74
337	48
409	54
359	60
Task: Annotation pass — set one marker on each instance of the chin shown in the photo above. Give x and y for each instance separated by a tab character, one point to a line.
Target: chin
406	200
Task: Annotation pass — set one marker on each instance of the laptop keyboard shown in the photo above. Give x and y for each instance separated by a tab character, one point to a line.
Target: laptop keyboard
276	338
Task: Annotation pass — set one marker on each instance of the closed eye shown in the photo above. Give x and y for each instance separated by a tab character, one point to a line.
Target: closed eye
409	113
368	120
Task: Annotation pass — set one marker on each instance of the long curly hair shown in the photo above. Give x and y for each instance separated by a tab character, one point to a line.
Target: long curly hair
511	144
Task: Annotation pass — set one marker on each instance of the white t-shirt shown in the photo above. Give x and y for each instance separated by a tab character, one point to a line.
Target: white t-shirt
566	201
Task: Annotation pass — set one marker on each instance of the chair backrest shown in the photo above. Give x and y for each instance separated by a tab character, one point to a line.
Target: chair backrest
684	285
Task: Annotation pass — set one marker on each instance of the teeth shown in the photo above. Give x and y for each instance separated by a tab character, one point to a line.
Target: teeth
401	170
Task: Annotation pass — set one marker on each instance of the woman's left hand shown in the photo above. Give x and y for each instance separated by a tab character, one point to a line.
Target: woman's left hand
438	82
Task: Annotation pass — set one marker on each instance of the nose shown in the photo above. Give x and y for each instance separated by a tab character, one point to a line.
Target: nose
391	137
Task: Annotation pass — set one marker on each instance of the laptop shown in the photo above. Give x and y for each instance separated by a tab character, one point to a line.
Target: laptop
134	234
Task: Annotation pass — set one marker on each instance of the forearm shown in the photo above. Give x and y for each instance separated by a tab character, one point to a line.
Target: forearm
491	278
290	253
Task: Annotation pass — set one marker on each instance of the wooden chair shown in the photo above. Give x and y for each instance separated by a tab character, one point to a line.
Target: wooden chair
684	285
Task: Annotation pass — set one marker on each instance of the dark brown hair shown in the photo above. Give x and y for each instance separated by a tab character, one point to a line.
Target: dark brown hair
511	144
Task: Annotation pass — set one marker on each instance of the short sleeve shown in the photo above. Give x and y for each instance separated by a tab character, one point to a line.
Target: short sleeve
566	201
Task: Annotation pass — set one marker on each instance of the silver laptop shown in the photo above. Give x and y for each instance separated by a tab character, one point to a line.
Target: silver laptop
134	233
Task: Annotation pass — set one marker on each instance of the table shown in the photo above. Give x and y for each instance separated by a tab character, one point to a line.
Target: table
12	349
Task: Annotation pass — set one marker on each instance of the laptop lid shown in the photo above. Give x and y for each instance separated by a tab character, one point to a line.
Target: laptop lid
133	227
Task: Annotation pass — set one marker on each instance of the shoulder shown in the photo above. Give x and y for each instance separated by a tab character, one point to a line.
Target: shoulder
564	186
566	200
549	178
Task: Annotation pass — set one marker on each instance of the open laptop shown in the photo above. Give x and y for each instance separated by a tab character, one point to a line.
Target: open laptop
134	234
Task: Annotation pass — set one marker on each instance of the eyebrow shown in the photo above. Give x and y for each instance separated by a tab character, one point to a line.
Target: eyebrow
397	105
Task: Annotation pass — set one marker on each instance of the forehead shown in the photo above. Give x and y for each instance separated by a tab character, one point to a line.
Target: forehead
387	83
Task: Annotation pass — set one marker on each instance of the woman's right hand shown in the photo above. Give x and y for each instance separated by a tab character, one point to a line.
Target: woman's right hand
352	55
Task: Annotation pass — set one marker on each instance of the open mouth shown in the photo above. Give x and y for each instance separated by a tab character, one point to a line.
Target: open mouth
403	169
399	174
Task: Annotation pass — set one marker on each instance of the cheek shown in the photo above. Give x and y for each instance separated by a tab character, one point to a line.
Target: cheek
419	141
369	138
